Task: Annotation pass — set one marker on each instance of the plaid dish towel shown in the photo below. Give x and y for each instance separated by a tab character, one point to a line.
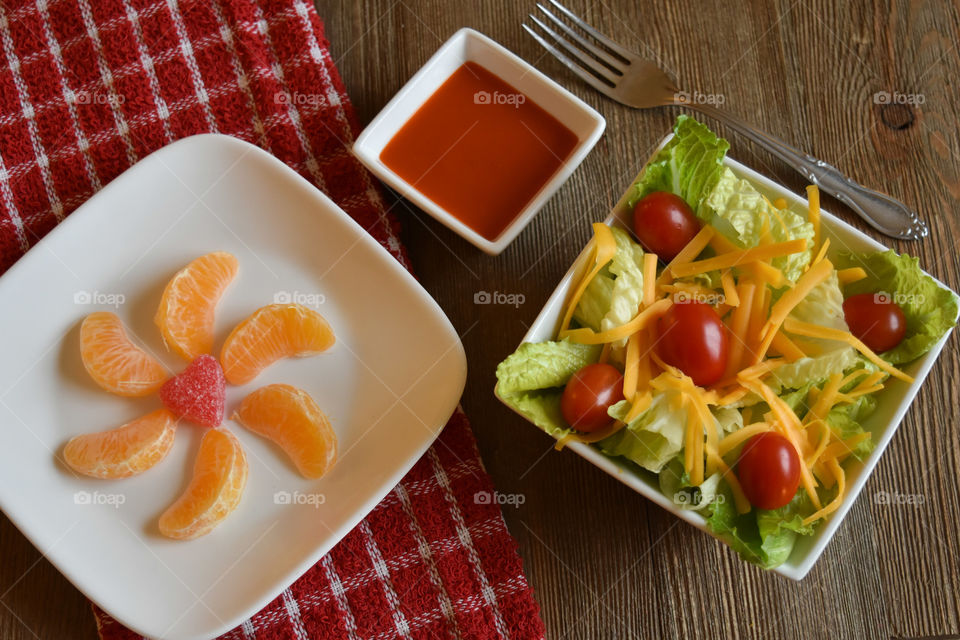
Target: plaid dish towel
88	87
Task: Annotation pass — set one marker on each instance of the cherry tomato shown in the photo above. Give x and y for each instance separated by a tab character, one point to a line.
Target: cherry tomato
876	319
664	224
694	339
769	470
588	395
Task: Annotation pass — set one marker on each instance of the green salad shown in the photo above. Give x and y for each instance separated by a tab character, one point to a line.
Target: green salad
725	347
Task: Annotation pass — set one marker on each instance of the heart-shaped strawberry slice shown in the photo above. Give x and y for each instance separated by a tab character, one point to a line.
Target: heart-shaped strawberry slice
198	393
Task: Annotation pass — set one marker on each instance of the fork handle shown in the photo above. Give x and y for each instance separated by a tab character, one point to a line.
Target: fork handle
882	212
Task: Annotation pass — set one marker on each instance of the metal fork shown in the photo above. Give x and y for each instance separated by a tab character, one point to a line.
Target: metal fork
627	78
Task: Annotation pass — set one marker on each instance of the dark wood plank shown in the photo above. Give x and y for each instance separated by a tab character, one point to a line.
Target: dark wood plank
603	561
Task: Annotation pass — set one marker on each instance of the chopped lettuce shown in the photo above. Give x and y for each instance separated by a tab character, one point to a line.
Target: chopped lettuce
652	439
737	530
627	267
823	306
541	365
530	380
930	309
542	408
675	484
845	422
794	375
740	212
764	537
688	165
778	528
595	301
728	418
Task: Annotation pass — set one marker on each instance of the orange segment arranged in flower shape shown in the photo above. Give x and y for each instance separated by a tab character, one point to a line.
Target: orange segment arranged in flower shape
124	451
282	413
273	332
289	417
219	476
113	361
186	312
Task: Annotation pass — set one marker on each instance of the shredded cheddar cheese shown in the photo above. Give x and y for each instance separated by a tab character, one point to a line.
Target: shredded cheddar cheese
814	331
585	335
813	197
604	247
730	295
851	274
742	256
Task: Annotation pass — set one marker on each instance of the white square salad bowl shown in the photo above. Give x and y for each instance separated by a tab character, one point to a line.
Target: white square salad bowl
892	403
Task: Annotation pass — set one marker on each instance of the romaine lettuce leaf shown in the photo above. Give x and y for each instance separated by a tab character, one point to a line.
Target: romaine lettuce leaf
627	267
763	537
930	310
823	306
595	301
675	484
737	530
653	438
541	407
779	528
794	375
687	166
844	420
541	365
737	210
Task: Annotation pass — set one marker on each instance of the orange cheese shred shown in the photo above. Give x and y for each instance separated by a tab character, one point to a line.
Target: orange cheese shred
730	442
585	335
786	347
851	274
739	325
604	246
649	278
840	477
790	299
813	198
764	273
692	249
741	256
730	295
631	367
791	325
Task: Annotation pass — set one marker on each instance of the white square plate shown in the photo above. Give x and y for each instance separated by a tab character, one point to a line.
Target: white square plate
892	403
389	384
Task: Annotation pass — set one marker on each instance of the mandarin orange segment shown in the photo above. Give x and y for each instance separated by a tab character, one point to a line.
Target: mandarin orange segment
124	451
271	333
113	361
289	417
219	477
186	312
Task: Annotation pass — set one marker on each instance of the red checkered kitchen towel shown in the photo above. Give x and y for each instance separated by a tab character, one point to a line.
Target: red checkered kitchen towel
88	87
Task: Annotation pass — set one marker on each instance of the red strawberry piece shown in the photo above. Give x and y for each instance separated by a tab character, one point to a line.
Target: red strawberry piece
198	393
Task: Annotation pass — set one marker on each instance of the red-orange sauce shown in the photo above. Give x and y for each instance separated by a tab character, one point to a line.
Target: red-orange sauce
479	148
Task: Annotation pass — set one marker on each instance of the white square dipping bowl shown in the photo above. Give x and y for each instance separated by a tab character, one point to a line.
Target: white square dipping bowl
467	45
892	402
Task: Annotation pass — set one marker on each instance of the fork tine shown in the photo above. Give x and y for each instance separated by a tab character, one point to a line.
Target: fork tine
570	64
627	56
586	61
606	58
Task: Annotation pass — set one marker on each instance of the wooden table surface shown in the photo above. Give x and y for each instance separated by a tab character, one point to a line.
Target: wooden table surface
603	561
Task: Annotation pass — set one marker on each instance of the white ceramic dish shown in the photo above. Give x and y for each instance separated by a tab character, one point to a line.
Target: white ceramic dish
464	46
893	401
388	385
